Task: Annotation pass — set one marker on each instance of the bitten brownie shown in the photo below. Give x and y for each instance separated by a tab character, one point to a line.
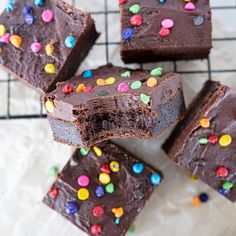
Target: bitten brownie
204	142
113	102
102	190
43	42
154	30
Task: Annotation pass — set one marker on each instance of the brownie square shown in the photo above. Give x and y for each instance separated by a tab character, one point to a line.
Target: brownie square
43	42
102	190
114	102
204	142
154	30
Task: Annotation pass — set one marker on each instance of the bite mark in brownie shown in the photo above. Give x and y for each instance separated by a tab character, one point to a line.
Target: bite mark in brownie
114	102
152	30
204	142
44	44
102	190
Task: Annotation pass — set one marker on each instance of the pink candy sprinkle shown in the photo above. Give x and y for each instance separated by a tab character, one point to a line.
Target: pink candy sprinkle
83	180
47	16
167	23
5	38
36	47
123	87
189	6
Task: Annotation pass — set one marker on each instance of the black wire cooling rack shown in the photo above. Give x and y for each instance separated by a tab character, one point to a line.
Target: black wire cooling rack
6	83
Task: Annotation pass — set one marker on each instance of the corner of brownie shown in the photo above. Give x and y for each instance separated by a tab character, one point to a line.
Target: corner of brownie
204	142
154	30
102	190
44	42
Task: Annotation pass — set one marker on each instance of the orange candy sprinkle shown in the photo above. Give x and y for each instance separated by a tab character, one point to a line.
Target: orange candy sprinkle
80	88
196	201
16	41
204	123
152	82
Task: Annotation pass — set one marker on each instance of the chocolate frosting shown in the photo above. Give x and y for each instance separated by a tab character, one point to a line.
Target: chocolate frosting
131	190
66	105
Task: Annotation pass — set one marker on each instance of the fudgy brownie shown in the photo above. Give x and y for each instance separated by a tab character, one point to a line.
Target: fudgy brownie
113	102
102	190
204	142
153	30
43	42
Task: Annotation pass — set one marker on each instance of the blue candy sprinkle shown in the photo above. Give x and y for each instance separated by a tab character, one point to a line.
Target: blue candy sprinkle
10	6
70	41
100	191
155	179
27	9
117	221
29	19
71	208
162	1
127	34
138	168
223	191
39	3
87	74
204	197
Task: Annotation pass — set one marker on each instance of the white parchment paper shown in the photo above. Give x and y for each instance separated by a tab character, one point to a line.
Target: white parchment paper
27	149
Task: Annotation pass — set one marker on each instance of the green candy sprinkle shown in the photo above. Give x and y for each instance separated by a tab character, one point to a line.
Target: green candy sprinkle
203	140
126	74
84	151
131	229
135	8
227	185
158	72
110	188
53	170
136	84
144	98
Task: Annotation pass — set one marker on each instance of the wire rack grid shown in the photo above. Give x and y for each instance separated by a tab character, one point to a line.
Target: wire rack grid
9	110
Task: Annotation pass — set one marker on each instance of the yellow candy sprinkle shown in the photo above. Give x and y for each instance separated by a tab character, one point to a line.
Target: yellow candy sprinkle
50	69
225	140
2	30
83	194
97	151
193	177
118	212
49	48
110	80
101	82
204	123
16	41
80	88
152	82
49	105
187	0
114	166
104	178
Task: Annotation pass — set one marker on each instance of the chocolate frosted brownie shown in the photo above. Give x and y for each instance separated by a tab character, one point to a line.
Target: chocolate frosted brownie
204	142
102	190
44	41
153	30
112	102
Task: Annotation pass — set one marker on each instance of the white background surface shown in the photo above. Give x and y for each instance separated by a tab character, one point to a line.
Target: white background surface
27	150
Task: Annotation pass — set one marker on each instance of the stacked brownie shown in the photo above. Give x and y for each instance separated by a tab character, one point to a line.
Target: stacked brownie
114	102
